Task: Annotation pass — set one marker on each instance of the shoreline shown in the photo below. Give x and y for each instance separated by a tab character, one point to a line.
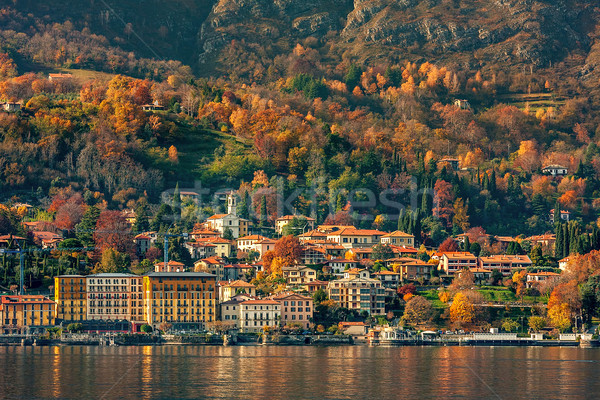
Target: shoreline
306	341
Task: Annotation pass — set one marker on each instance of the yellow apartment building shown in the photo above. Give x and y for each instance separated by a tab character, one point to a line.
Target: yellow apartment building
25	314
186	300
70	297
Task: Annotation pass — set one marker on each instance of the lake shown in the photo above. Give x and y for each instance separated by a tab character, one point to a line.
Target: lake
296	372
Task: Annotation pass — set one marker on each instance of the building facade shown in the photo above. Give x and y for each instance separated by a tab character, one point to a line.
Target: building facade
109	297
257	314
295	309
357	291
70	296
26	314
186	300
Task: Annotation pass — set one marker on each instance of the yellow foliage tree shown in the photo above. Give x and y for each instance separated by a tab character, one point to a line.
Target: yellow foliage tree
444	296
559	316
462	309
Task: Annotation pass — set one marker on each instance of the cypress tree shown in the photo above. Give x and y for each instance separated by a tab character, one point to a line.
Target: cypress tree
417	226
406	223
558	244
401	220
493	181
486	181
142	217
425	202
177	202
557	213
565	240
263	211
242	209
467	244
85	229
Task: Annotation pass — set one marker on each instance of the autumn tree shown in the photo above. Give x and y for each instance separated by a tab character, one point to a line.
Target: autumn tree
417	310
536	323
289	250
560	317
112	261
460	218
443	201
462	309
409	288
112	231
448	246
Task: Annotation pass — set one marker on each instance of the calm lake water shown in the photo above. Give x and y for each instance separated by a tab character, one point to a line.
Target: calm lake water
260	372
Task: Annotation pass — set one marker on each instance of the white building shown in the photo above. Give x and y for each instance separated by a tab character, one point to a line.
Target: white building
256	314
110	296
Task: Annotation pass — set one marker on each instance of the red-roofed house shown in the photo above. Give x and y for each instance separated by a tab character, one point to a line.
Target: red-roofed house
295	309
281	222
534	279
453	262
172	266
351	237
228	289
398	238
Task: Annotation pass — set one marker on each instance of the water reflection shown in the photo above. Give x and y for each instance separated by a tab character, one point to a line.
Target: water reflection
271	372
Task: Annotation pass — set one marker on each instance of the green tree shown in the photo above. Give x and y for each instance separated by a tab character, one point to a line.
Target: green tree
352	76
146	328
85	229
510	325
382	252
263	211
242	208
536	323
177	202
556	217
319	296
228	234
475	249
142	217
75	327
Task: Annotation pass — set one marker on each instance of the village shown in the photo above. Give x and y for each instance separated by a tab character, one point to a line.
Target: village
366	284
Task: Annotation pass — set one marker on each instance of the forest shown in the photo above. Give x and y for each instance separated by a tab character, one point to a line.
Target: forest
471	142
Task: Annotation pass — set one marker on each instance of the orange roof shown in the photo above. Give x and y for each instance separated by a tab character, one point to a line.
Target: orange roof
43	235
239	283
217	216
458	254
267	302
481	270
253	237
544	274
26	298
317	283
8	237
398	234
352	231
314	232
212	260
